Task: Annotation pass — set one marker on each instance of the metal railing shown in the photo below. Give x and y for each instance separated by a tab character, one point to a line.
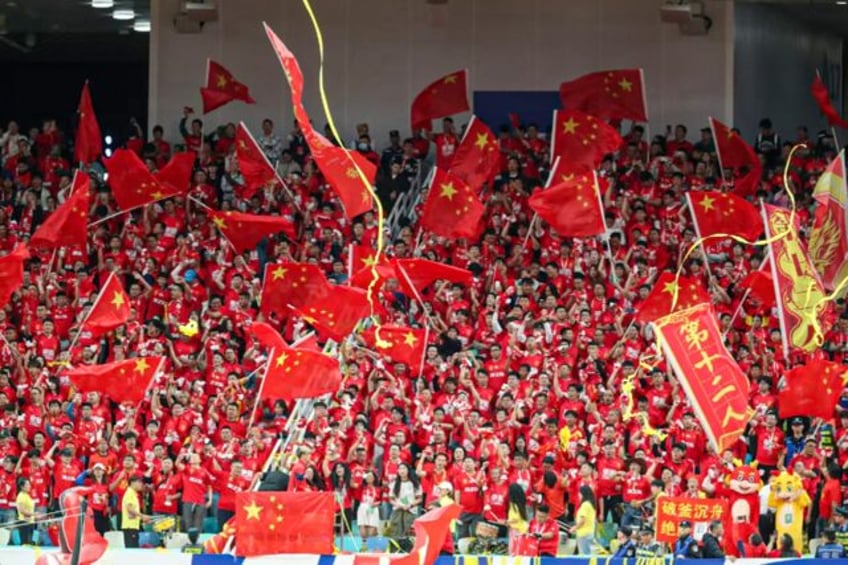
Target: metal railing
404	208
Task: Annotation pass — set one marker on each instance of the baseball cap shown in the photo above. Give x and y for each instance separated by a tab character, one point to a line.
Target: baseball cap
685	524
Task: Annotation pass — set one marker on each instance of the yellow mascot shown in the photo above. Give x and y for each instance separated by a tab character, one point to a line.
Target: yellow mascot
790	500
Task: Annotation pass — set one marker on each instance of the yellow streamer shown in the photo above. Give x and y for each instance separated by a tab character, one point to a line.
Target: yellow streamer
380	217
627	388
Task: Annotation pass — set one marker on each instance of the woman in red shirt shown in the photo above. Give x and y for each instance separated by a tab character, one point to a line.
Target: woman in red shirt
98	500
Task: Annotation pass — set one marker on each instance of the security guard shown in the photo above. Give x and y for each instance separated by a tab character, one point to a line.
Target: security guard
830	549
647	547
686	547
840	521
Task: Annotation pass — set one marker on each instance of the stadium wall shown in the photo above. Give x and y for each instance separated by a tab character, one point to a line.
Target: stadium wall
380	53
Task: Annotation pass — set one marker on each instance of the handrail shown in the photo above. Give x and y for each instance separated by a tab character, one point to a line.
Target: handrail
406	203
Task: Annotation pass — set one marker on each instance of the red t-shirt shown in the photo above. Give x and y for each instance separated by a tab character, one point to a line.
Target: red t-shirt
196	481
470	494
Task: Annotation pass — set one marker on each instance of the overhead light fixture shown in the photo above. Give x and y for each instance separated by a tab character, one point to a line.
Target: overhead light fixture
142	26
102	3
841	2
123	14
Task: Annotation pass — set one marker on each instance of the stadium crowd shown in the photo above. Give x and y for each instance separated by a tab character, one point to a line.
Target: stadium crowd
540	342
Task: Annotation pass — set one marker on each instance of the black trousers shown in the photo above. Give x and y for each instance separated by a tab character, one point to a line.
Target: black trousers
131	539
26	533
101	522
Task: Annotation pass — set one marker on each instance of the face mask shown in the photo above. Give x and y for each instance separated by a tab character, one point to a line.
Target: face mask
363	146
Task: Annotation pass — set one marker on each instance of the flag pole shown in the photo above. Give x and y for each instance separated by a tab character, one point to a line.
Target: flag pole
835	138
698	234
87	316
548	181
745	297
261	387
349	261
424	350
718	151
784	337
220	231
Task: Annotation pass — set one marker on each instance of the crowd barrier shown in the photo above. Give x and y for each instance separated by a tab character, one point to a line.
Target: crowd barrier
27	556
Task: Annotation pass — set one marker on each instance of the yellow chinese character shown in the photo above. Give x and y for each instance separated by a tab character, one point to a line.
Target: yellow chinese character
684	510
716	513
723	392
668	528
730	414
694	335
706	360
701	512
669	508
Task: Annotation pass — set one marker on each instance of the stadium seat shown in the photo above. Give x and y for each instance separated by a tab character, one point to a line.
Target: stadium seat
210	525
176	540
378	544
115	539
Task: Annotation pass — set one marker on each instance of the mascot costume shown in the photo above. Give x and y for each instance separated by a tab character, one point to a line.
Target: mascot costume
742	491
790	500
92	545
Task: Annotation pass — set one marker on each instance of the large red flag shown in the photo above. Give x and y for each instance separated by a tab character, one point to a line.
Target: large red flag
133	185
300	373
760	287
88	144
67	225
221	88
291	283
822	98
610	95
721	213
452	208
252	162
338	165
444	97
812	390
690	292
12	272
715	385
176	174
122	381
573	207
582	140
421	273
478	158
829	240
110	310
245	231
336	315
401	344
734	153
270	523
431	531
797	287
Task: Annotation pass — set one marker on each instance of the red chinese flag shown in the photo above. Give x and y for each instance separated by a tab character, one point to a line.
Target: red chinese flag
176	174
363	277
444	97
798	289
573	207
294	373
361	255
609	95
292	283
133	185
252	162
221	88
761	287
110	310
121	381
716	387
812	390
452	208
88	144
734	153
268	336
336	315
829	239
721	213
418	274
68	224
245	231
582	140
822	98
478	158
690	292
12	272
338	165
284	522
400	344
431	531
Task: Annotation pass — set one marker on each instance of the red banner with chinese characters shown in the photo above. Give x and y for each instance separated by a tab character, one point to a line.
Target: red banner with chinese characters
714	384
671	510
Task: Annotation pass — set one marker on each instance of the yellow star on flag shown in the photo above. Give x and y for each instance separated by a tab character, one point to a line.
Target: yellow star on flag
707	203
450	79
570	126
482	141
141	365
157	195
625	85
253	510
670	287
281	359
219	223
118	299
410	339
222	81
370	261
448	190
351	173
278	273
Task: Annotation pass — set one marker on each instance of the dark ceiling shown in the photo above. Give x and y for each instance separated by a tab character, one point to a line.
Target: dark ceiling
829	15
